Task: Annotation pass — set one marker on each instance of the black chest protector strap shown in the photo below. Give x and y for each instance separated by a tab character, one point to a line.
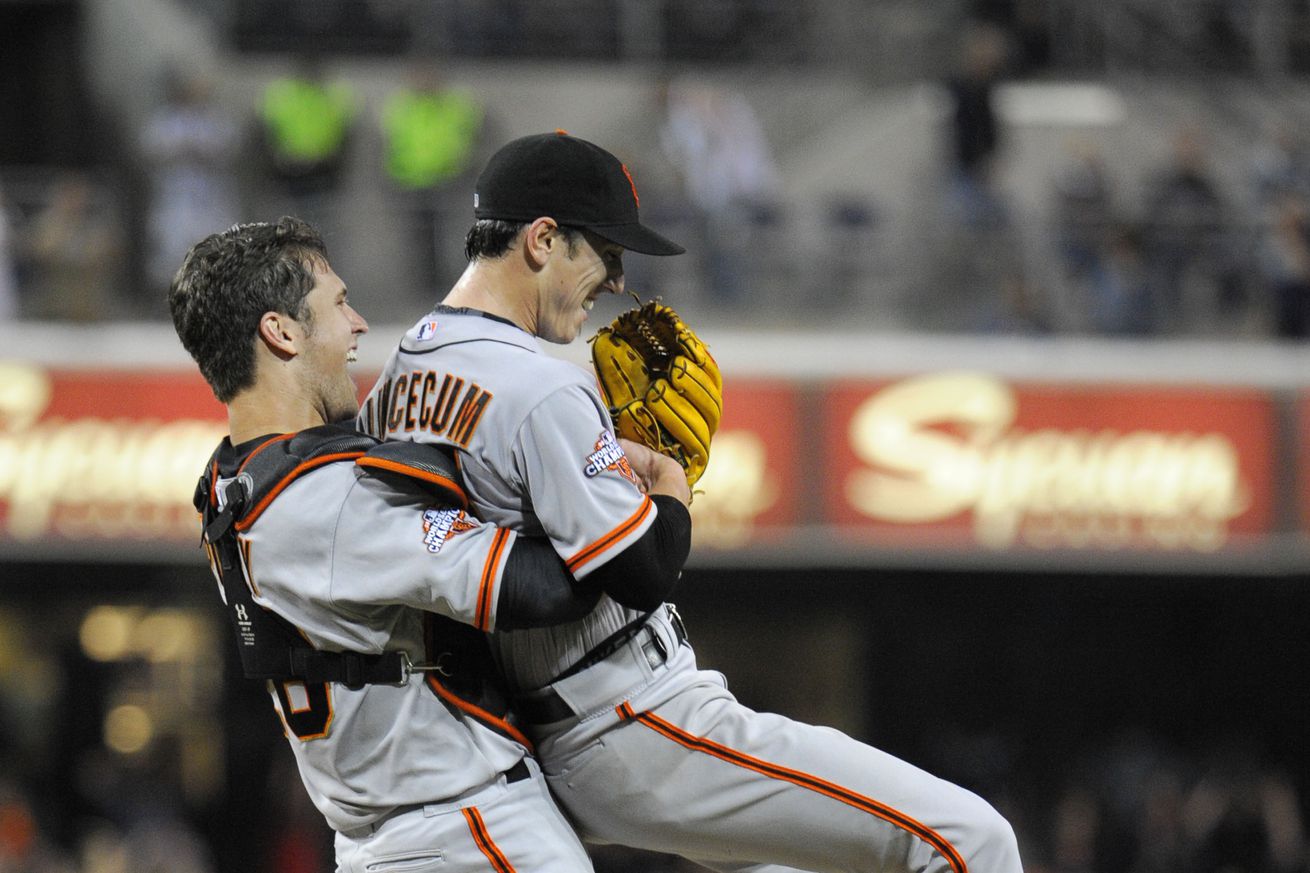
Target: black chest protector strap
235	492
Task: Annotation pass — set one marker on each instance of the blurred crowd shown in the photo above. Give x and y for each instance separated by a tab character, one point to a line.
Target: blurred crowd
1175	253
102	244
1137	806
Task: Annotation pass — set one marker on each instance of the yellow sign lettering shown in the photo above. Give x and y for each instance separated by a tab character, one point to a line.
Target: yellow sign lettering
93	477
940	445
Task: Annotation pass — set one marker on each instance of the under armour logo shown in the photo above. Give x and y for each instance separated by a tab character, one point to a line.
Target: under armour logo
241	612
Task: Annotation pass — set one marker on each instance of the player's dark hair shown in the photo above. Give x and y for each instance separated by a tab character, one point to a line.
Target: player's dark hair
492	238
225	285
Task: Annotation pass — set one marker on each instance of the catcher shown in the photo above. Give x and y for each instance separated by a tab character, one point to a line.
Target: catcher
639	746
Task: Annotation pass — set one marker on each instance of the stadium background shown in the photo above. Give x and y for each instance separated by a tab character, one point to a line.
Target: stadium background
1086	597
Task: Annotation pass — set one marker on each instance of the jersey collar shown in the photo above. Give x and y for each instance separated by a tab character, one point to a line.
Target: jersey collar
469	310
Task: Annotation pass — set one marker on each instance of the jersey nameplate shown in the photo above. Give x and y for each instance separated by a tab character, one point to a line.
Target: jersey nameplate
441	404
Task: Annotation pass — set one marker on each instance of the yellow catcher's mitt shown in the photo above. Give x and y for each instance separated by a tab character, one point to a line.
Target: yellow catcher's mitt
661	384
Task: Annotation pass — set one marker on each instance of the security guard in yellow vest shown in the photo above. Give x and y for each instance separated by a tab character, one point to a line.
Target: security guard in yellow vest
429	135
306	125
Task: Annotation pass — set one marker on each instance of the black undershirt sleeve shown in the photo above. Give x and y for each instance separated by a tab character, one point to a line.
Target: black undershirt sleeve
537	590
643	575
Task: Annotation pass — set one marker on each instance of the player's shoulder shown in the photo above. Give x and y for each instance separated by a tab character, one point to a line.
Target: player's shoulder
298	512
497	354
447	326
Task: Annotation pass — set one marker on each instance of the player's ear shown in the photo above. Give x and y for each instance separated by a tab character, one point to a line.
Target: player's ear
540	238
278	332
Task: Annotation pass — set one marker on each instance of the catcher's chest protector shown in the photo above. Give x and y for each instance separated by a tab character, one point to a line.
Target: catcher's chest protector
230	497
236	490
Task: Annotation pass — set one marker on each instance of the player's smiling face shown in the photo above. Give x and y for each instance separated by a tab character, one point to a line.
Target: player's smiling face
574	282
332	334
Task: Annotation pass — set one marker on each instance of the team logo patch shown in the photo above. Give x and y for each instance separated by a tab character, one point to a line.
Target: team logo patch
439	525
427	330
609	456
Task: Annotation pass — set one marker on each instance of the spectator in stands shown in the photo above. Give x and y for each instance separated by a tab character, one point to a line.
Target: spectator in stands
979	262
1281	166
1119	295
1102	255
306	124
729	175
1158	831
188	147
1243	818
975	129
431	133
74	249
1029	26
1187	237
1280	200
1084	209
1285	265
1075	829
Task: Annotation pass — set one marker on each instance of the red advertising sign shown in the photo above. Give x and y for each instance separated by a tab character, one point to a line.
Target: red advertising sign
966	460
954	460
112	455
747	491
1303	461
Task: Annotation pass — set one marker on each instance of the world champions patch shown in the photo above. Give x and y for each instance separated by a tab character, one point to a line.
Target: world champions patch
609	456
440	525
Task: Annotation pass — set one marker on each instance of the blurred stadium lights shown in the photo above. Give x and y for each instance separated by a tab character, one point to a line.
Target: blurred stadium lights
118	633
128	729
106	632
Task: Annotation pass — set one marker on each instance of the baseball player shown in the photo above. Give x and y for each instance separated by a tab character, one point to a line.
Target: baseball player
359	587
639	746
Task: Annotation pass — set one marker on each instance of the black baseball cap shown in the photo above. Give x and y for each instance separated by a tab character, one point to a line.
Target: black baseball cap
575	182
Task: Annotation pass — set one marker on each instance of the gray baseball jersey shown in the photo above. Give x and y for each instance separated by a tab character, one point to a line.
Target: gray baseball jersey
641	747
537	452
353	561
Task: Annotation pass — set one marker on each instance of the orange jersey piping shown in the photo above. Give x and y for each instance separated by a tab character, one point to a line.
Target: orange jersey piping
416	473
259	508
609	539
479	713
804	780
482	619
265	444
213	483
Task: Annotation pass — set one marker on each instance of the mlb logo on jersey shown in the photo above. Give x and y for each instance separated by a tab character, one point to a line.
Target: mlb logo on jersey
440	525
427	330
